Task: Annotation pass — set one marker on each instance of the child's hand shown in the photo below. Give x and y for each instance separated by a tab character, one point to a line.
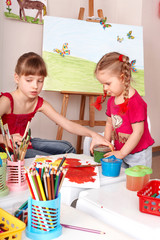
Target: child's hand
98	139
117	154
17	139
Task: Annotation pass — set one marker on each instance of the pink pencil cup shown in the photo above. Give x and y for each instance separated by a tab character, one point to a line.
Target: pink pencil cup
16	180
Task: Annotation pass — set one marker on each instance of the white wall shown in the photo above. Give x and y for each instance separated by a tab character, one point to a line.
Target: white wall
19	37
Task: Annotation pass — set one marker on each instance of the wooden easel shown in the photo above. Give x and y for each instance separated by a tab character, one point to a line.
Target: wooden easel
91	122
90	12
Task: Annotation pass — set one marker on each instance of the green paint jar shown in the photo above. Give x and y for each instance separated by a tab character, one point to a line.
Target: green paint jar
99	151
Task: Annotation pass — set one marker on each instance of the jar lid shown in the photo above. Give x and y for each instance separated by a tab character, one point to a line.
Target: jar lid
101	148
145	168
135	172
138	170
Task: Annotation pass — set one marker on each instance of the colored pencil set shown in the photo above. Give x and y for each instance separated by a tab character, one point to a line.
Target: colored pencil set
19	152
45	182
21	213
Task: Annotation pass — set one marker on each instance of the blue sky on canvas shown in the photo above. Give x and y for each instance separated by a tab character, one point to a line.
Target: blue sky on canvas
90	41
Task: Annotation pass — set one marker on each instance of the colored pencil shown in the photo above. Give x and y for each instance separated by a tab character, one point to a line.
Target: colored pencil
52	184
82	229
33	175
62	179
56	195
41	186
56	183
29	185
45	185
49	187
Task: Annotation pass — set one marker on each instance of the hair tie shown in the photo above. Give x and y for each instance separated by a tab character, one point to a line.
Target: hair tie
121	58
100	99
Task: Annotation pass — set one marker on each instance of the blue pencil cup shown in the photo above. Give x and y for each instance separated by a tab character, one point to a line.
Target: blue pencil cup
44	219
111	166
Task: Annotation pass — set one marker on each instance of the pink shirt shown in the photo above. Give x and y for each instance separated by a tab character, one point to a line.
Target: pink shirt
122	123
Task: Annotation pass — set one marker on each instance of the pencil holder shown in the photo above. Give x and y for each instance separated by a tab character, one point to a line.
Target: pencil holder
16	180
3	187
44	219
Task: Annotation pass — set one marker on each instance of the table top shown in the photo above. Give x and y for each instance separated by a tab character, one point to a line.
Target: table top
119	207
74	217
69	194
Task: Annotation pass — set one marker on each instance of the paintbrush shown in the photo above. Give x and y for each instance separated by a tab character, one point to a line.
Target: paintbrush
62	161
5	139
80	166
11	140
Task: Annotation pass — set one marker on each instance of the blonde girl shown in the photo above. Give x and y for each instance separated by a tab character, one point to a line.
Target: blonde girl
126	112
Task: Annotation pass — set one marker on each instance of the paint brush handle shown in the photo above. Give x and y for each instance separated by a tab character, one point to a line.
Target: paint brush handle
61	163
80	166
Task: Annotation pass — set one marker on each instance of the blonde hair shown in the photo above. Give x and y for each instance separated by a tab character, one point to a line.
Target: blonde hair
31	64
117	64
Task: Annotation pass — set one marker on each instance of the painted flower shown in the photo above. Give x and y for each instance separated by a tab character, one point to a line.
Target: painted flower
8	2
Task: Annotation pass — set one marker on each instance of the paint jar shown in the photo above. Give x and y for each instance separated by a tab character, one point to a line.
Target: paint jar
16	180
3	170
111	166
148	172
44	219
137	177
99	151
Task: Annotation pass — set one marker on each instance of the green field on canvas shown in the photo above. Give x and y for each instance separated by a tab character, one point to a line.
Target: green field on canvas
69	73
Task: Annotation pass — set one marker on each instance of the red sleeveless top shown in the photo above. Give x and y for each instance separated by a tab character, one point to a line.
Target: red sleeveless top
17	122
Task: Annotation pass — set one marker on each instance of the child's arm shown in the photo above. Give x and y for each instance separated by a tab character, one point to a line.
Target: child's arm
108	129
133	140
70	126
4	106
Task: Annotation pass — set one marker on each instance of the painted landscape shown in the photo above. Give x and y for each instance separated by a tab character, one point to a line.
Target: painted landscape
72	48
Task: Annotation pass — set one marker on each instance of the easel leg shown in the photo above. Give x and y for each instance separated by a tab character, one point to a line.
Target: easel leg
81	14
100	13
81	117
91	112
63	113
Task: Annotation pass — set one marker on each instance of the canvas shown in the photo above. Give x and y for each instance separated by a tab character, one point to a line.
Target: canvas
71	49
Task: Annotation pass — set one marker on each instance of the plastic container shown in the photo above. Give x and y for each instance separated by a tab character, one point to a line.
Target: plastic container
137	177
16	180
148	203
111	166
44	219
3	187
14	225
99	151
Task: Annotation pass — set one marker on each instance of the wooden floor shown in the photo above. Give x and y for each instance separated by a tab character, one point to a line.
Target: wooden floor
156	165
